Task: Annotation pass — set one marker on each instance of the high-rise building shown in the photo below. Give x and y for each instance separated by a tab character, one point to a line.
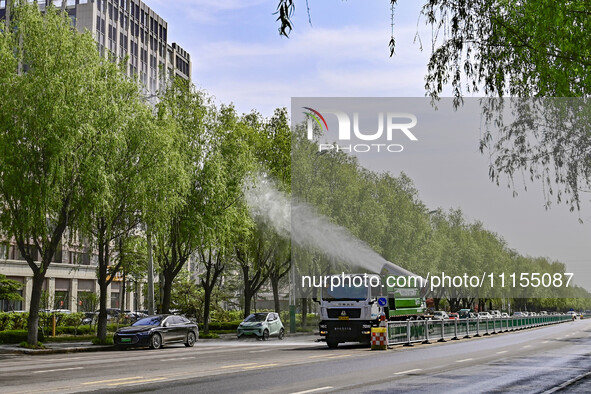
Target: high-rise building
124	29
128	29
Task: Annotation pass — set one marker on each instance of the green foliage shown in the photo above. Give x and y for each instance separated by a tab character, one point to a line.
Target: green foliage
16	336
9	289
222	326
38	345
103	342
211	335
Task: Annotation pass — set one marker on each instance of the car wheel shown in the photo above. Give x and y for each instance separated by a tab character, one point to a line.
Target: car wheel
156	341
281	334
265	335
190	339
332	343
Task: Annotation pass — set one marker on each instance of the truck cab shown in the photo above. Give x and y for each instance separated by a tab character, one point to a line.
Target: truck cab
348	312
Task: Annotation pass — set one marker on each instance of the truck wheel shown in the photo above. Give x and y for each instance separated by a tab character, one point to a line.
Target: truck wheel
332	344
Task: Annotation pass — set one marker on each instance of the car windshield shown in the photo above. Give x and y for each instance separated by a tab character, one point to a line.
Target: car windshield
256	317
344	293
149	321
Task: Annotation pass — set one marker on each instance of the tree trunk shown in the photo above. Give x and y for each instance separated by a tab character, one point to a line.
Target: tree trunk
247	302
304	312
101	332
206	307
275	286
33	320
123	294
166	290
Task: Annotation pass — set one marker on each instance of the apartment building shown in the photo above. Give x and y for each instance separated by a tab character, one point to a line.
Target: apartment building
125	30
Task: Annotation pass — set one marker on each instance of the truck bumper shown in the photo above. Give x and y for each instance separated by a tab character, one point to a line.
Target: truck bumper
345	330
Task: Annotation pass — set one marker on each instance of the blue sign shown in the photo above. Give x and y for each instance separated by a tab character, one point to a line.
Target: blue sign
382	301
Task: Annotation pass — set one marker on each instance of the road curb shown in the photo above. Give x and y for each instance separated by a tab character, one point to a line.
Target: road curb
34	352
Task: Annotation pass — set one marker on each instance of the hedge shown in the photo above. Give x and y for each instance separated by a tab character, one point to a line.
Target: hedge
216	326
17	336
18	321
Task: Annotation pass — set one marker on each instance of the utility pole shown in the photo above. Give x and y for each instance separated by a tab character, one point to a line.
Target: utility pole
292	299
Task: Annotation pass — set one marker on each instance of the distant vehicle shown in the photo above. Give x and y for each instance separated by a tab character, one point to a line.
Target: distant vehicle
504	315
473	315
519	314
440	315
495	313
454	316
89	317
262	325
464	313
543	313
157	331
66	311
484	315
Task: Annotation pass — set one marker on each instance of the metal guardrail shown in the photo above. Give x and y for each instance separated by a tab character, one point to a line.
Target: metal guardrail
426	331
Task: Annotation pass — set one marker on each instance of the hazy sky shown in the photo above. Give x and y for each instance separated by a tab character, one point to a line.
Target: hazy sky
239	57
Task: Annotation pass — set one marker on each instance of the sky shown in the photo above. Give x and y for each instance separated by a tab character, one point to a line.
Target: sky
238	57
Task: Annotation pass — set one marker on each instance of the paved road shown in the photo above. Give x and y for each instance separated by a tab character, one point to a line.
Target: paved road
530	361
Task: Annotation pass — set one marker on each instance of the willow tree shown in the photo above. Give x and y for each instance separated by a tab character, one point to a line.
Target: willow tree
53	87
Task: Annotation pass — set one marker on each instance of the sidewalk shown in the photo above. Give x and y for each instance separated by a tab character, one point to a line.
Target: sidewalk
87	346
56	348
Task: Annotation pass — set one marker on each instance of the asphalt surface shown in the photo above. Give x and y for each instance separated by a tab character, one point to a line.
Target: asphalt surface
547	359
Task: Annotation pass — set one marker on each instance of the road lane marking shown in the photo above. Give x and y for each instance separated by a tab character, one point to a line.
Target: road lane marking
545	341
314	390
502	351
176	359
339	356
322	355
260	366
114	380
236	365
408	371
137	381
526	346
464	360
59	369
260	351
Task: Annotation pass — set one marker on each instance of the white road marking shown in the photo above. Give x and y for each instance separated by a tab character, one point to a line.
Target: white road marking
260	351
464	360
526	346
60	369
114	380
502	351
313	390
408	371
176	359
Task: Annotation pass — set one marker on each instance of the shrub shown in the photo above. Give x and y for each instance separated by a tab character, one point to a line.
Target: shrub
218	326
211	335
17	336
108	341
69	330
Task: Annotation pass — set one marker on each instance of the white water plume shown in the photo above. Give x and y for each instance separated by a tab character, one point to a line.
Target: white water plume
311	229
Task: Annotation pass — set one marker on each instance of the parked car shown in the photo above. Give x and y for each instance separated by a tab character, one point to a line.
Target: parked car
519	314
464	313
504	315
454	316
484	315
89	317
262	325
157	331
440	315
495	313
